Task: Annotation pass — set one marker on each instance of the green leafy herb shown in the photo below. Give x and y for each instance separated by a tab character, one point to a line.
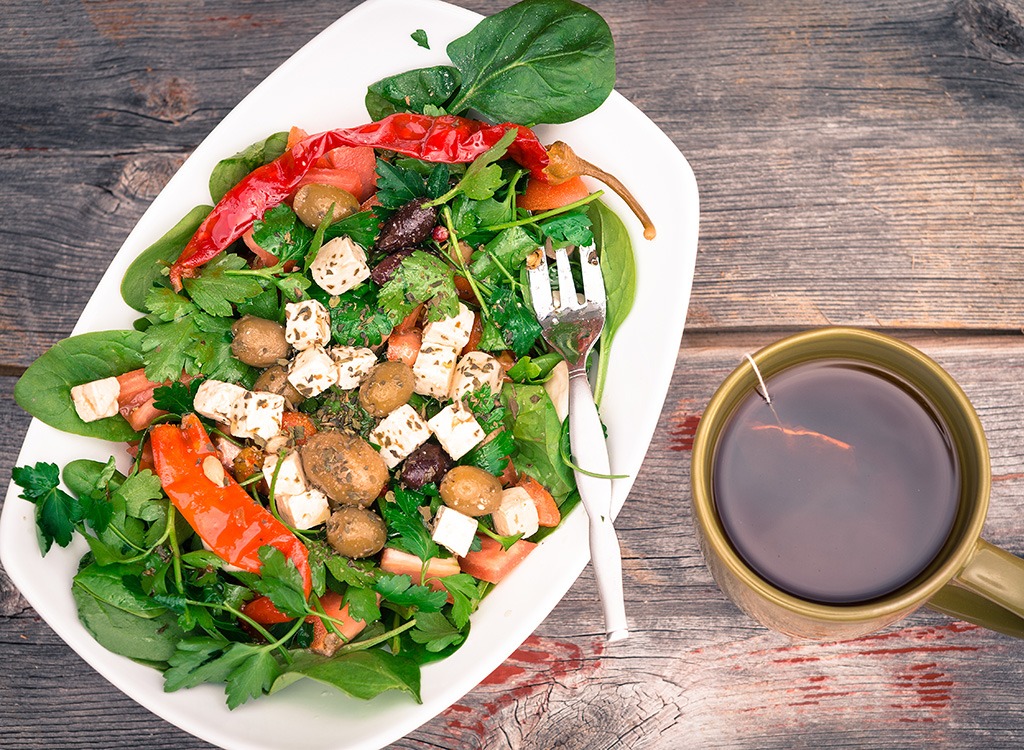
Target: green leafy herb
356	317
537	431
360	227
508	250
534	369
491	456
213	289
399	589
403	517
572	228
397	185
362	604
420	37
177	398
361	674
434	631
57	512
464	590
518	324
281	233
281	581
421	277
152	640
483	177
487	408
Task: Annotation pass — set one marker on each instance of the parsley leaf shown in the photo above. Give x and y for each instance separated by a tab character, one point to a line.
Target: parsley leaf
397	185
280	580
281	233
256	671
404	519
518	325
57	512
491	456
421	277
360	227
176	398
487	408
356	318
483	176
213	291
399	589
362	604
464	590
435	632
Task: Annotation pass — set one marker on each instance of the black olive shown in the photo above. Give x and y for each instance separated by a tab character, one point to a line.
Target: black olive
408	226
426	465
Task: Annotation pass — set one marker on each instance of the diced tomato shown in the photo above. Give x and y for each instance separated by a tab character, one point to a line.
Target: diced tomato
464	288
542	196
402	563
248	462
133	383
264	259
295	135
509	475
263	611
146	462
492	563
405	346
345	179
411	320
361	160
349	627
142	416
547	509
475	334
298	426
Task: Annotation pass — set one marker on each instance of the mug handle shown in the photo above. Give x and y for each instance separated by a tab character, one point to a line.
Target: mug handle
988	591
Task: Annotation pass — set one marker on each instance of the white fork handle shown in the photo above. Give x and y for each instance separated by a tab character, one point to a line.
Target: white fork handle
590	451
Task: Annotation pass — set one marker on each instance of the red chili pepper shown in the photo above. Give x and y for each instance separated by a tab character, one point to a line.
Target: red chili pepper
447	139
226	518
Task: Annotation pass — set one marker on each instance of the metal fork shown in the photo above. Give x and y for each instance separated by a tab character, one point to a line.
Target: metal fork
571	327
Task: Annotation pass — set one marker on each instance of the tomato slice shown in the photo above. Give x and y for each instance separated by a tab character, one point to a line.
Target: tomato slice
491	563
402	563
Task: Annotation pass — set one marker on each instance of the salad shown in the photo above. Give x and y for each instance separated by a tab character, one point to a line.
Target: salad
344	425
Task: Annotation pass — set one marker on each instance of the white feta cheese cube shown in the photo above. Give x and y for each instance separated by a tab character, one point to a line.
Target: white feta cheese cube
454	530
96	399
304	510
340	265
454	331
312	371
399	434
291	479
456	429
516	514
352	363
474	371
434	370
218	400
306	323
557	387
257	415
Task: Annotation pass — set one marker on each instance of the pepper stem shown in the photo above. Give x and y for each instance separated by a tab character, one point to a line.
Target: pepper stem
564	164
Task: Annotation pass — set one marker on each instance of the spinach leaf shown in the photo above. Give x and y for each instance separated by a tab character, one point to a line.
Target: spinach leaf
420	37
538	61
230	171
537	431
412	91
147	269
151	640
361	674
618	266
44	391
118	586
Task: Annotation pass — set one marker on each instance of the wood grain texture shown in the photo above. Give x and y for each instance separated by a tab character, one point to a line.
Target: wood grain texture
859	163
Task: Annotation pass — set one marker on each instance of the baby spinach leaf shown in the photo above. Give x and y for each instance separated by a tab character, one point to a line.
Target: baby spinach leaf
420	37
361	674
412	91
538	61
148	269
44	391
118	586
537	430
618	266
152	640
230	171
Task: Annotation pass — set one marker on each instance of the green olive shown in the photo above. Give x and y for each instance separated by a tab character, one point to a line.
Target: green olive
387	386
345	467
356	532
471	490
258	342
312	202
275	380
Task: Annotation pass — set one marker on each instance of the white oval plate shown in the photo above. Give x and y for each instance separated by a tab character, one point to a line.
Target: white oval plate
620	139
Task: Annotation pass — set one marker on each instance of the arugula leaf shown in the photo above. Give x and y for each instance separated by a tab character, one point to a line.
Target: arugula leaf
281	233
547	61
399	589
420	37
421	277
177	398
230	171
57	512
518	324
213	291
412	91
435	632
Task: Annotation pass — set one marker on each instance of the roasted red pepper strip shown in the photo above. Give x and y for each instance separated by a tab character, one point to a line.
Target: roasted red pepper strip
447	139
233	525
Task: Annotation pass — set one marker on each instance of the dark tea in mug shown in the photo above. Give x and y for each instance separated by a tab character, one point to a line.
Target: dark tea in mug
841	490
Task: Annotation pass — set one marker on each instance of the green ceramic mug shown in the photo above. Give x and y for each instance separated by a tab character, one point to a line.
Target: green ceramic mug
968	578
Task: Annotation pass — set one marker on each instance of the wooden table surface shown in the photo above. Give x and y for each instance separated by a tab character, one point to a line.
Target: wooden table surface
859	163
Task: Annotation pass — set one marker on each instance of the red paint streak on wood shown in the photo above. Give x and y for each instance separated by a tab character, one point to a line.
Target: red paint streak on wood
531	670
681	433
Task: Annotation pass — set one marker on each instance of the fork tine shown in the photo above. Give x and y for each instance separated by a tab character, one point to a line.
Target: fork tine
566	287
540	285
593	281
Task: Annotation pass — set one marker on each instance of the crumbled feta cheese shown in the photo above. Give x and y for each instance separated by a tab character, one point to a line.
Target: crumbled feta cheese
304	510
399	434
454	530
257	414
434	370
456	429
352	364
307	323
516	514
97	399
312	372
339	266
452	331
474	371
218	400
291	479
